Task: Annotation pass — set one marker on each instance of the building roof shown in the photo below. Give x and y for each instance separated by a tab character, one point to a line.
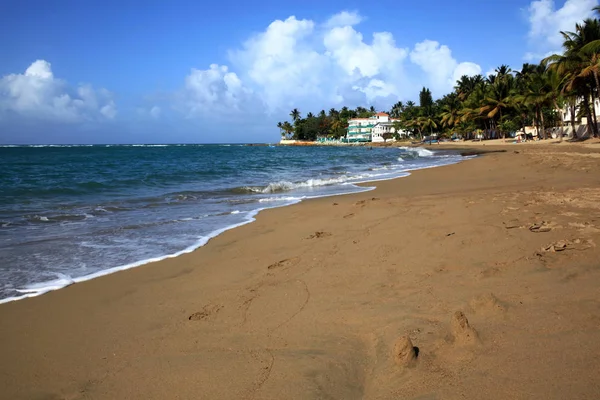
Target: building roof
382	114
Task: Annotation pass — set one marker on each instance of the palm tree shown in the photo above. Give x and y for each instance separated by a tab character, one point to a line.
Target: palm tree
397	109
295	114
579	65
310	115
556	83
427	122
503	71
450	116
467	85
287	128
280	126
336	127
498	97
538	95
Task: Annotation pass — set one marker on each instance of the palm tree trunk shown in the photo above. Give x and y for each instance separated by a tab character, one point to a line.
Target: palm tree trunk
542	122
537	120
560	116
595	126
572	107
501	122
588	114
593	106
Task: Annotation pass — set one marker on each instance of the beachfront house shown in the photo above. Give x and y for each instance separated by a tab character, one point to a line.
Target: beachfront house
371	129
580	123
359	130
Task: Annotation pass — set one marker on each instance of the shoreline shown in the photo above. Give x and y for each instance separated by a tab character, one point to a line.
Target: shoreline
41	288
310	301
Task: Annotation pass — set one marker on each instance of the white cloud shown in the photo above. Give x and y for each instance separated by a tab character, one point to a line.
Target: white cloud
38	94
534	57
345	18
299	63
440	67
283	63
212	91
491	71
294	63
546	21
155	112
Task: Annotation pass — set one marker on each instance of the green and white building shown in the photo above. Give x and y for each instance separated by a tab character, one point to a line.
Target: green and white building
370	129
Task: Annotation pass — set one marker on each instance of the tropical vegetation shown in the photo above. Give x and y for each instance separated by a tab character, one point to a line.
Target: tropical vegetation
494	106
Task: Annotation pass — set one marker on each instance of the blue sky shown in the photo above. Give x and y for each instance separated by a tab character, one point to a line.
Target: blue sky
192	71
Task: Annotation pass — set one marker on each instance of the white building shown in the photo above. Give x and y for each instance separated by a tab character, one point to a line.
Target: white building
371	129
359	129
566	112
384	125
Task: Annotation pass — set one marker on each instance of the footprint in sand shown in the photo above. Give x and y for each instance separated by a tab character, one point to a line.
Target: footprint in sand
512	224
405	354
276	305
487	304
362	203
319	234
285	263
207	311
540	227
349	215
562	245
462	332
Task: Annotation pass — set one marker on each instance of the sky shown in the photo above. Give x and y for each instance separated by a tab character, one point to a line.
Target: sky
180	71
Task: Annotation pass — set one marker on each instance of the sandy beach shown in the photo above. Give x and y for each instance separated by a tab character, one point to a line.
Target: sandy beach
475	280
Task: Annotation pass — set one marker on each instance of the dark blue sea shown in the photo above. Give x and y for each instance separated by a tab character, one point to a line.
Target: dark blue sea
72	213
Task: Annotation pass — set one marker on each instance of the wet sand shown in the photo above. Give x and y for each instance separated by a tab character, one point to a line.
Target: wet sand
476	280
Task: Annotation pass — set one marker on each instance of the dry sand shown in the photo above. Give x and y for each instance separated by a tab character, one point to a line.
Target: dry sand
477	280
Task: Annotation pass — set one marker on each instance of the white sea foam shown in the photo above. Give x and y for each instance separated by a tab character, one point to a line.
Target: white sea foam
63	280
419	151
284	186
280	198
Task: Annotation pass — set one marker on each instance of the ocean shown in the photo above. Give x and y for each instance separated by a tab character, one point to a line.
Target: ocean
72	213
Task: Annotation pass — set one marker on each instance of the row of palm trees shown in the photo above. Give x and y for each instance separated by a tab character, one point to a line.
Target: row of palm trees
331	124
508	100
505	101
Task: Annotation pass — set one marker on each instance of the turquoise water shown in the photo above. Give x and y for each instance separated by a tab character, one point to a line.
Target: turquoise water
70	213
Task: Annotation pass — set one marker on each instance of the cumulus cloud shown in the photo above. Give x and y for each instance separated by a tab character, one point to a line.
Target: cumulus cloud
309	65
345	18
38	94
211	91
297	62
440	67
546	21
